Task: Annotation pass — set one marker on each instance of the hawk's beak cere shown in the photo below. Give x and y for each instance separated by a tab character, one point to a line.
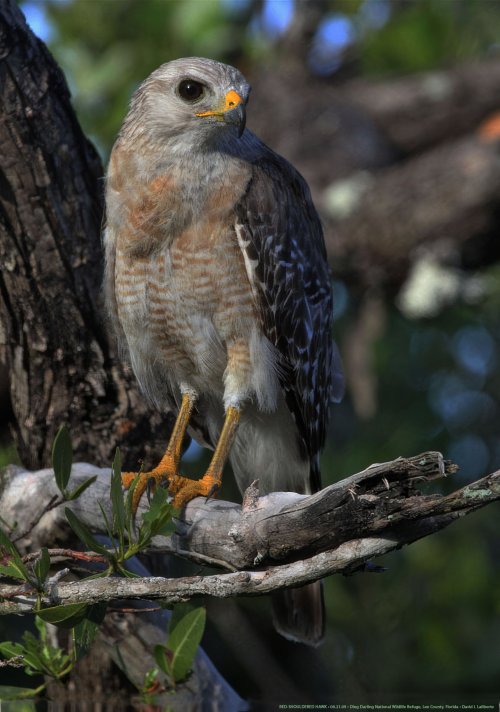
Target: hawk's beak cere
232	111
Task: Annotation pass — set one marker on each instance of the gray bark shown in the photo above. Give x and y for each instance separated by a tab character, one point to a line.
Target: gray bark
267	543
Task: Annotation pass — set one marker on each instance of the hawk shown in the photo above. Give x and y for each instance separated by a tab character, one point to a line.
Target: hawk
218	283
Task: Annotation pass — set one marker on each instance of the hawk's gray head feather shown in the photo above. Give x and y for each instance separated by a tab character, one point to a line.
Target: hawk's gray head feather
194	100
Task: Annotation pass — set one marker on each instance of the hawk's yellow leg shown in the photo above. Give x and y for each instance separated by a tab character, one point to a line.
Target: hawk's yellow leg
183	489
167	469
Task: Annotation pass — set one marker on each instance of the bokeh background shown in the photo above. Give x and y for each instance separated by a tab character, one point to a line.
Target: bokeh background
389	109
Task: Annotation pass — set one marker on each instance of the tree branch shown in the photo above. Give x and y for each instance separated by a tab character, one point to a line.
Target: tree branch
397	105
451	190
282	539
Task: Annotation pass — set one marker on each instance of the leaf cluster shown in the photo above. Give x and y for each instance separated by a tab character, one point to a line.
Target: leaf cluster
13	566
127	540
62	459
175	659
38	658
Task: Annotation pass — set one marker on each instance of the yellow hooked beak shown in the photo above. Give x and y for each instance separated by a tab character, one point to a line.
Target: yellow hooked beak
232	111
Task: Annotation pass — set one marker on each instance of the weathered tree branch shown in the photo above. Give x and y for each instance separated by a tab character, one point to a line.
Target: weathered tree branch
448	194
282	539
453	102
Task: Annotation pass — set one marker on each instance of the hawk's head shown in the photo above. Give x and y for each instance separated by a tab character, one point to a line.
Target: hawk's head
194	98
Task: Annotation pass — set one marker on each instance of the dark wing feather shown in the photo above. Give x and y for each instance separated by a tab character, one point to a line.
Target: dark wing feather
279	230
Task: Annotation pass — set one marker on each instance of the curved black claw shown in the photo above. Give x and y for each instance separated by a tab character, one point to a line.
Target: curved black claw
214	488
150	488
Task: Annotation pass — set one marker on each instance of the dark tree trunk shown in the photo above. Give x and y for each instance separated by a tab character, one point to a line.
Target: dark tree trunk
62	361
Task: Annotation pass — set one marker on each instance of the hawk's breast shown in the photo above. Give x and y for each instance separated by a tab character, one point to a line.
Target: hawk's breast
184	299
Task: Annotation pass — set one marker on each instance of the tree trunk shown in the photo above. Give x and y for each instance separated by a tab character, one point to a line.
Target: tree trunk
62	362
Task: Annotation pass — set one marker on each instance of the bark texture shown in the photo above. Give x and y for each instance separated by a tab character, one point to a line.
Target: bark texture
267	543
62	363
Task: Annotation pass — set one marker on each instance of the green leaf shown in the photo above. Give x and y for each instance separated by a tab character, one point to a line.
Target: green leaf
11	650
109	529
12	571
8	693
130	498
117	494
163	659
96	612
6	543
81	488
66	616
41	628
178	611
183	642
42	566
85	632
150	678
32	654
158	500
125	572
84	533
158	520
15	564
62	457
37	656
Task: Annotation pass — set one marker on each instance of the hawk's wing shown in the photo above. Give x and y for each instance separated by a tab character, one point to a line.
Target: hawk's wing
282	240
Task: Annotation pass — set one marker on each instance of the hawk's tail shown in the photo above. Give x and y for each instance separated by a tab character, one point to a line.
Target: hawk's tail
299	613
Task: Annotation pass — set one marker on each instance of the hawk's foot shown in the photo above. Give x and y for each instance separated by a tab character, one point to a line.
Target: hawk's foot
183	489
165	470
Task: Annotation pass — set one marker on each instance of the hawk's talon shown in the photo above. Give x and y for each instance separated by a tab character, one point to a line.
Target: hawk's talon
213	491
165	471
183	489
151	486
128	478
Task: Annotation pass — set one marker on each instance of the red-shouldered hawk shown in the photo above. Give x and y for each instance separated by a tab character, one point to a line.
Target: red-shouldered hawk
218	282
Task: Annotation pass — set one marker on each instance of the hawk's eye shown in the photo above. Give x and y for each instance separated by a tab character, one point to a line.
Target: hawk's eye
190	90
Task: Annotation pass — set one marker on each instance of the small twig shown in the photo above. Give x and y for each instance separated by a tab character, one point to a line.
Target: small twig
88	556
204	559
54	502
123	609
16	662
9	592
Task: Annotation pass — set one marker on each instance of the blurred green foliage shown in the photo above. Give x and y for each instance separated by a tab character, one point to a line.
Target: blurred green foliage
429	628
429	34
8	455
108	48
